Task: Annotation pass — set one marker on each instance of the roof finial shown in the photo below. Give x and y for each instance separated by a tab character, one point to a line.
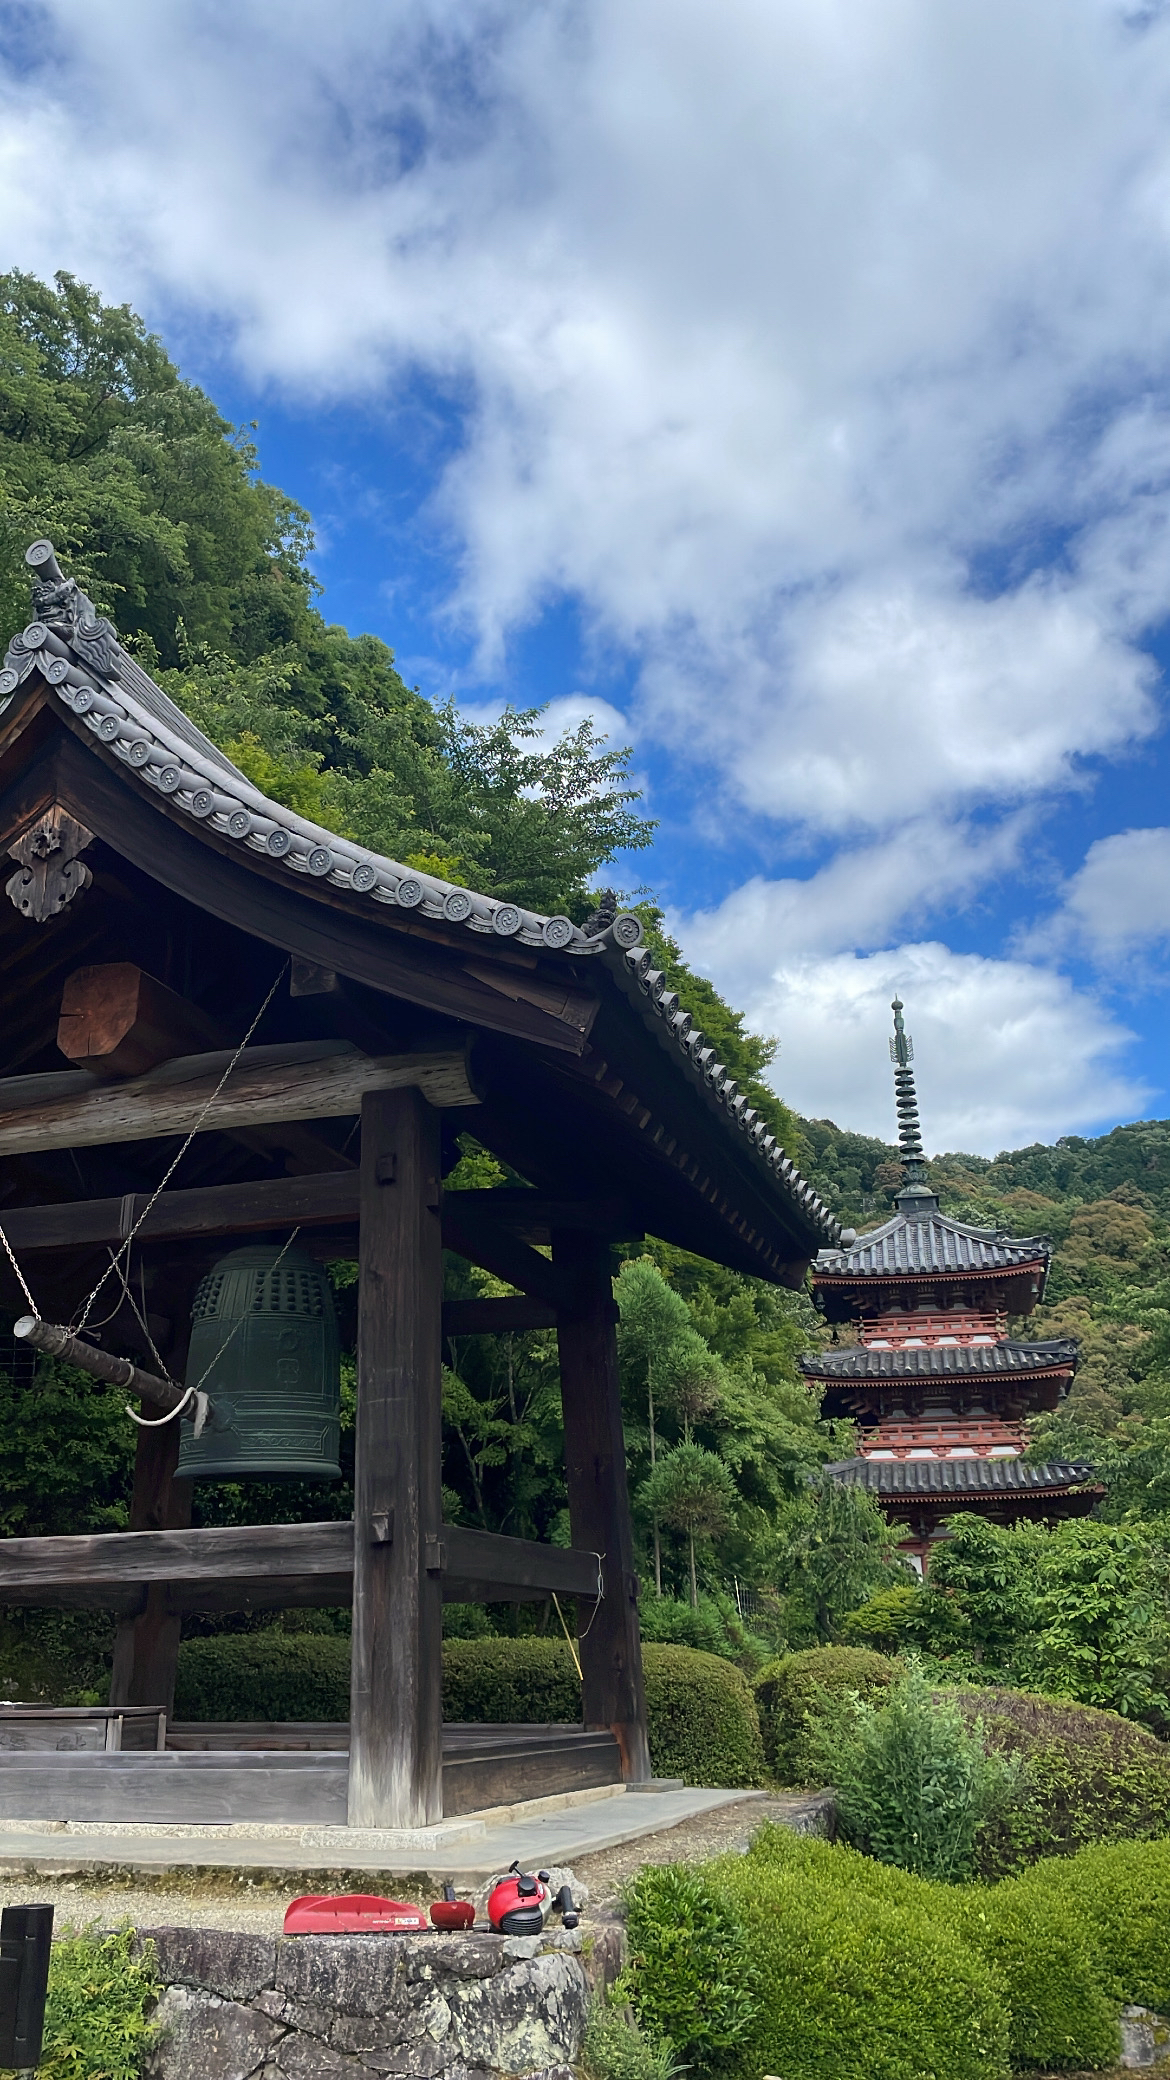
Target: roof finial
906	1098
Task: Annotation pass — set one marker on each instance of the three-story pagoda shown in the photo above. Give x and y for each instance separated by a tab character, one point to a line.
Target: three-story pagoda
941	1391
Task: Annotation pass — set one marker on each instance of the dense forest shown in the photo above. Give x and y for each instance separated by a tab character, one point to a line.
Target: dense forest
156	505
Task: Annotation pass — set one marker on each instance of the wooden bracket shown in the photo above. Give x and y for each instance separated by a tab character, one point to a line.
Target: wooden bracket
436	1556
49	872
382	1528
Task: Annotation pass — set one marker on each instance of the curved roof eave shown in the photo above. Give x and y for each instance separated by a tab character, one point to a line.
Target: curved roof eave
79	658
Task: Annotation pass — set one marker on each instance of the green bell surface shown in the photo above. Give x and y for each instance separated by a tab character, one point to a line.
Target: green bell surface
268	1332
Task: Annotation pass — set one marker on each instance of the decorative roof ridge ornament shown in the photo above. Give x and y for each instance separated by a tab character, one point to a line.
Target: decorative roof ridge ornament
63	607
915	1197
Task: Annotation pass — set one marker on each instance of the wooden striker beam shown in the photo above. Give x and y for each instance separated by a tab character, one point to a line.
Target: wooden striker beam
599	1503
395	1765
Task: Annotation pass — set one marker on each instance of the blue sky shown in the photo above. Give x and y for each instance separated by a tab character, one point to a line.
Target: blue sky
782	383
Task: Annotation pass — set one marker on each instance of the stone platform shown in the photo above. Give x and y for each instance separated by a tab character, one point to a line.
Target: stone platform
540	1833
457	2007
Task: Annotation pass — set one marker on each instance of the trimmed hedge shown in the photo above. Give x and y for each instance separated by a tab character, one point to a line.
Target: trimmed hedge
263	1675
702	1717
1060	2017
792	1691
1119	1896
1088	1776
840	1966
822	1981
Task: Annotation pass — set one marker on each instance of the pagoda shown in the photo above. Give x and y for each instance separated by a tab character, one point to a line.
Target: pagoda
941	1391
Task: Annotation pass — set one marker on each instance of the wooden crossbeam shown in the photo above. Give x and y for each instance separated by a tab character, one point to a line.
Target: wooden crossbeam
315	1079
271	1566
323	1199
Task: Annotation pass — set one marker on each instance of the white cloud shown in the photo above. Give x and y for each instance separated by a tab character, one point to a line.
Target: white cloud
817	347
860	898
1118	903
1006	1053
769	319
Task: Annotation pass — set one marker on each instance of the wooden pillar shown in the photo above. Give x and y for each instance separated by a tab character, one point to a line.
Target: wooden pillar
146	1648
396	1712
599	1502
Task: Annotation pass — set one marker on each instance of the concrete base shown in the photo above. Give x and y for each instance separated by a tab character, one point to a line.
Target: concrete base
540	1833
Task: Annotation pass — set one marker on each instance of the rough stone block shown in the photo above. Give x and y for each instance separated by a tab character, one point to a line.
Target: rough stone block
305	2058
205	2038
470	1956
217	1959
530	2017
357	1975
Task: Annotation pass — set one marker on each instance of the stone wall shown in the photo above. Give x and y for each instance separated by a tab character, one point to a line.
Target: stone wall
442	2007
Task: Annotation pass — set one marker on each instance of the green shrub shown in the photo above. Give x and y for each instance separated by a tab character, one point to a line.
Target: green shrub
690	1977
100	1991
263	1675
883	1622
1086	1776
833	1981
615	2049
505	1681
702	1717
793	1691
912	1780
1119	1897
1060	2017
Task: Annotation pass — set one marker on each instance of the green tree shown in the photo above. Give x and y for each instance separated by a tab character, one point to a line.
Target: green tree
692	1491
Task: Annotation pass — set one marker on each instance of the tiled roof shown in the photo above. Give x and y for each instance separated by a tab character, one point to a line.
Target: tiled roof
959	1476
78	655
929	1243
864	1362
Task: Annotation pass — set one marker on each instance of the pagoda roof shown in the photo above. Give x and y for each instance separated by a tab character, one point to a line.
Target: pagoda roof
934	1360
586	1043
962	1478
929	1242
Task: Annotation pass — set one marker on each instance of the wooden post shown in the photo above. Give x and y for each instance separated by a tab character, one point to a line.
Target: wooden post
146	1648
599	1502
396	1712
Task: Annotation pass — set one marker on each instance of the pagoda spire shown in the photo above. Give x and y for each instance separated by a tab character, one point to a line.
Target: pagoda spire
916	1191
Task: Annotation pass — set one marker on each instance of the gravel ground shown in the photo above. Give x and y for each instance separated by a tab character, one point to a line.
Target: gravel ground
216	1899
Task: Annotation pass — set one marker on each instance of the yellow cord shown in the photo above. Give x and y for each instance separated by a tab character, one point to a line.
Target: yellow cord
572	1644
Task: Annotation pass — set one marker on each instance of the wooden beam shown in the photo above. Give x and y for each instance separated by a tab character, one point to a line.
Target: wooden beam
268	1566
396	1710
496	1317
507	1570
311	1079
118	1021
599	1503
325	1199
478	1238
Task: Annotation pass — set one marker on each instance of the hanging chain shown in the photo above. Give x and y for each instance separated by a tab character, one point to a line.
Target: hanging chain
20	1275
114	1266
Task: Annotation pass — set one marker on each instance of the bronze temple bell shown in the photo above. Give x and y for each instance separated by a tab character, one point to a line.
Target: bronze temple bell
268	1332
